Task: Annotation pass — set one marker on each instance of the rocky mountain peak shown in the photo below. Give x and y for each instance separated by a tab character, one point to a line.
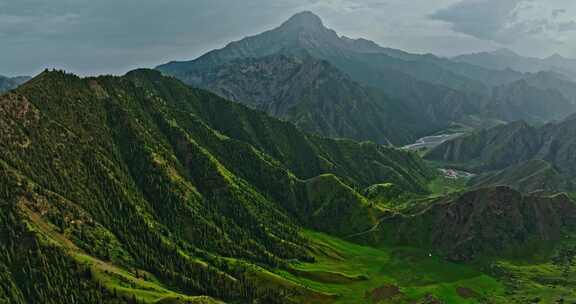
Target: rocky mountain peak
304	20
306	30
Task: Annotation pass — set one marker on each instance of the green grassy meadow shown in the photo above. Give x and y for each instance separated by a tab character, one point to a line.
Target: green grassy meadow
407	275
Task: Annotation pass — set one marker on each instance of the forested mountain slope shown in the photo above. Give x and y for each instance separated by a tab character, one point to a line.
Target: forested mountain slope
140	187
485	222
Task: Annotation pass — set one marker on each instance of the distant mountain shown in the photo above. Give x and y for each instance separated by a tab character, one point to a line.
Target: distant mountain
505	58
303	31
7	83
312	94
555	82
515	144
306	31
491	149
434	91
537	99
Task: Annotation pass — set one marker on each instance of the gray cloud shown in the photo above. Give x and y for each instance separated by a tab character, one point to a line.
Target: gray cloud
567	26
111	36
485	19
505	22
558	12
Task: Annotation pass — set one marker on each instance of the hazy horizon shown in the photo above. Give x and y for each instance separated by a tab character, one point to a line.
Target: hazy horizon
90	38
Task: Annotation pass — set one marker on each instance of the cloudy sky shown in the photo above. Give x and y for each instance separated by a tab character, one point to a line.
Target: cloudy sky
113	36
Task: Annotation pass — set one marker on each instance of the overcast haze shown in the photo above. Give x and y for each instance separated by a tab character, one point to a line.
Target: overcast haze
114	36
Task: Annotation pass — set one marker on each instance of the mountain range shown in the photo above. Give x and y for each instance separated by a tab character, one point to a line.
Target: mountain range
9	83
505	58
141	189
267	172
313	95
307	74
531	100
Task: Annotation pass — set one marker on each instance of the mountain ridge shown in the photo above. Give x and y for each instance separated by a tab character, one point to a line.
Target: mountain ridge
178	180
266	172
434	92
508	146
139	188
312	94
514	61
